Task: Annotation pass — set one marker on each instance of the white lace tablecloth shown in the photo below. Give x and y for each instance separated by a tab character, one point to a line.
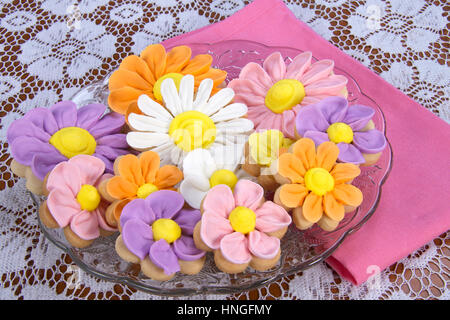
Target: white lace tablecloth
49	49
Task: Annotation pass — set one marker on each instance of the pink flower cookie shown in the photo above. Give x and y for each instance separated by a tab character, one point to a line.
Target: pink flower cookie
73	201
241	227
275	92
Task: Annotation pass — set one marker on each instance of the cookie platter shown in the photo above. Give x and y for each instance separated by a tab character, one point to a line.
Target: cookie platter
300	249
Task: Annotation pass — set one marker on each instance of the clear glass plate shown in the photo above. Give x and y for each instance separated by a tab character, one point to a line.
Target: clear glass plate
300	249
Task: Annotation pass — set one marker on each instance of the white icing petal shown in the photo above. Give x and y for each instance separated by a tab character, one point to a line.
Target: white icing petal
228	157
145	123
191	193
187	92
232	111
153	108
200	162
239	125
170	96
143	140
218	101
176	156
203	94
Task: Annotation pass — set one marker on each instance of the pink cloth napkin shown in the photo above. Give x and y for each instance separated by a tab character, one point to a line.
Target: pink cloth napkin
415	202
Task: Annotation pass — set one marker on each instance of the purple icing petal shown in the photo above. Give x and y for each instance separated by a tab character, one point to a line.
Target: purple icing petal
23	149
109	164
42	118
109	124
65	113
334	109
310	118
42	164
118	140
165	203
162	255
187	219
89	115
137	209
357	116
138	237
349	153
109	153
317	136
24	127
186	250
372	141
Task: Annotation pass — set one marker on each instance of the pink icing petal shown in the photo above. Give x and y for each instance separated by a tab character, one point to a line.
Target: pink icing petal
62	206
100	212
271	217
219	200
310	100
91	168
275	66
65	177
248	194
332	85
263	246
258	114
254	72
65	113
214	228
85	225
234	248
247	92
288	122
296	69
317	71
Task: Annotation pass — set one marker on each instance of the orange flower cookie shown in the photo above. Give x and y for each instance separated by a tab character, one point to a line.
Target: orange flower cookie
314	186
144	74
136	177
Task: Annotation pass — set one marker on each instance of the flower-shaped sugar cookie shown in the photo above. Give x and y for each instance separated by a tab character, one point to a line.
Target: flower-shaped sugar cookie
73	201
45	137
316	187
187	121
144	74
241	227
274	93
136	177
157	234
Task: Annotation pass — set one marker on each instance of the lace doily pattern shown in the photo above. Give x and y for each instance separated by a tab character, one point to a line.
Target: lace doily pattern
49	49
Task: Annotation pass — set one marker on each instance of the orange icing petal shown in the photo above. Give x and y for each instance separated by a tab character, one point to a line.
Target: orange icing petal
218	76
344	172
348	194
125	78
332	208
120	188
327	154
177	59
305	150
129	168
312	207
289	166
149	161
155	57
198	65
168	176
120	99
119	207
293	195
137	65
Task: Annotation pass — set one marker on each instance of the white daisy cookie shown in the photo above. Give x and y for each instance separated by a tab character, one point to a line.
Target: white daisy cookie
186	121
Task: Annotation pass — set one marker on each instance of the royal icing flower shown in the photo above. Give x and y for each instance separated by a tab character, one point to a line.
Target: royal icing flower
274	93
203	169
137	177
187	123
144	74
315	186
241	227
74	203
350	127
157	231
45	137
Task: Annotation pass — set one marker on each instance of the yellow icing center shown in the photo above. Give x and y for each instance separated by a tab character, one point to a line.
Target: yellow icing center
72	141
242	220
191	130
166	229
223	176
145	190
284	95
265	146
176	77
88	197
340	132
319	181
